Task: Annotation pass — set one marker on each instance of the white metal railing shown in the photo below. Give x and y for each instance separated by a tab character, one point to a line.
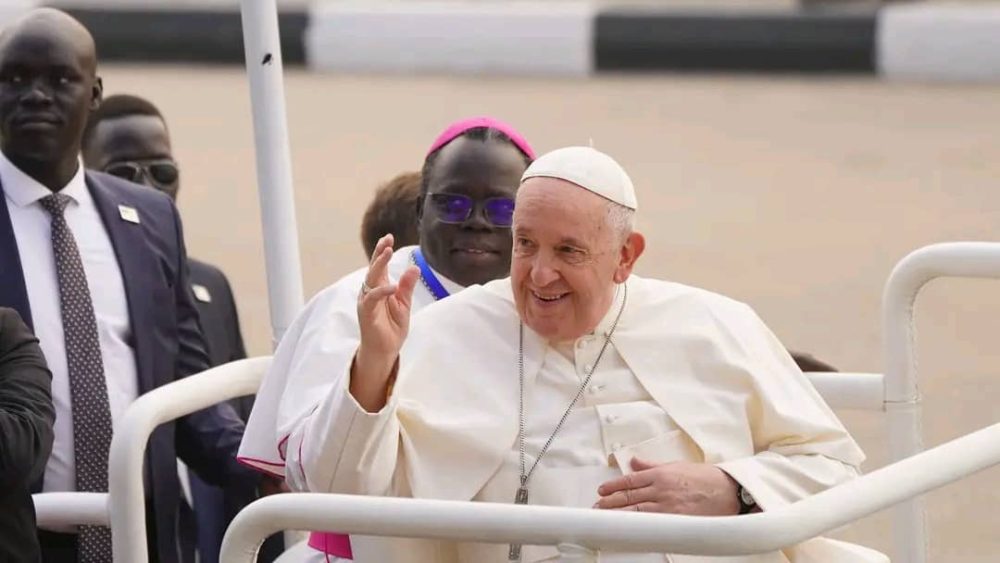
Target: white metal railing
59	510
126	499
123	507
125	511
850	391
628	531
899	482
911	274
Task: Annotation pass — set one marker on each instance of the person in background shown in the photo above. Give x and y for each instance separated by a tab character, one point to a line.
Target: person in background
128	137
96	266
393	211
469	180
26	419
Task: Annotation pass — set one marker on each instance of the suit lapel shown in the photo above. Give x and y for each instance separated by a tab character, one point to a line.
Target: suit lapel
13	292
136	263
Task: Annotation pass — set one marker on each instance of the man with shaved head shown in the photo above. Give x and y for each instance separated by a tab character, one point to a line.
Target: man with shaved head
96	266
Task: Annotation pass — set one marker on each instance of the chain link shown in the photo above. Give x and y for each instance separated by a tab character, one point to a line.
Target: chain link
520	368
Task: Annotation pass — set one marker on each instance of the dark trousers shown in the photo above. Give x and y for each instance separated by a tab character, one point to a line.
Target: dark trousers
56	547
214	510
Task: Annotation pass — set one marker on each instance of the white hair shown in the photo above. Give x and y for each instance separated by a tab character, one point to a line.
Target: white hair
621	220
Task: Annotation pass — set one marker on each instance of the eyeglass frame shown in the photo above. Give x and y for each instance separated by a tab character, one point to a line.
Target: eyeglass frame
143	168
477	205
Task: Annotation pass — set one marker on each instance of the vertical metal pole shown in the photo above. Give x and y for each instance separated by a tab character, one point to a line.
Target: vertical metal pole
903	401
911	274
274	168
262	45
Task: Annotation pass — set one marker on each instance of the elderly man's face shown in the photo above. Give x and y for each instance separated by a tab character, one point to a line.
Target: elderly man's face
567	258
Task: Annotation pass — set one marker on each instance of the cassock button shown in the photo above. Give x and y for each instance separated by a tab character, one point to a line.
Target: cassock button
595	389
616	446
588	367
610	419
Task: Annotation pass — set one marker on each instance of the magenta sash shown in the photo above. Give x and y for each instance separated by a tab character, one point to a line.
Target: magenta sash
338	545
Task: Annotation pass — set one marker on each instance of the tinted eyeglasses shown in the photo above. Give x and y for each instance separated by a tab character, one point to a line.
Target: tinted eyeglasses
163	172
456	208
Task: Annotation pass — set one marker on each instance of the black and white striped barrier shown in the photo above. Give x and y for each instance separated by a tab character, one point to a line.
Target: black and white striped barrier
920	41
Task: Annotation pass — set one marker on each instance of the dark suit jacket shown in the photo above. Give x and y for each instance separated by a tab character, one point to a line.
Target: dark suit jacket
220	321
26	418
167	340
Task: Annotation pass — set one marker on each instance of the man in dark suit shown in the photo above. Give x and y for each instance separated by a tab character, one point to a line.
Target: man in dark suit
26	418
97	267
129	138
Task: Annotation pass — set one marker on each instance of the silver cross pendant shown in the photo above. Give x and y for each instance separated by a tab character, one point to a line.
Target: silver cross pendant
514	554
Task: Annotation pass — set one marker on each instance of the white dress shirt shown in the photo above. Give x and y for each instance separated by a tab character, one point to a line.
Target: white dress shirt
32	229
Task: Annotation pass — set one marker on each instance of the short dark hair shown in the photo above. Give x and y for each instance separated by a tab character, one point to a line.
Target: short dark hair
483	134
393	210
118	106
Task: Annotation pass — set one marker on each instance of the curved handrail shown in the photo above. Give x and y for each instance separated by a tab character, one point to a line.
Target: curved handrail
59	510
125	510
128	445
194	393
597	529
911	274
843	390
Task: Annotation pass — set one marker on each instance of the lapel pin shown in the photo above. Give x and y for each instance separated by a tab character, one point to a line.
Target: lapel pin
201	293
129	214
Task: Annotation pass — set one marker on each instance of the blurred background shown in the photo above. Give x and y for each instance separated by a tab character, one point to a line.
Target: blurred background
785	153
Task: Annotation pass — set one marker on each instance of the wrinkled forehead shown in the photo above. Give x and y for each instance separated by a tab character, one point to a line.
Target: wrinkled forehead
559	208
558	196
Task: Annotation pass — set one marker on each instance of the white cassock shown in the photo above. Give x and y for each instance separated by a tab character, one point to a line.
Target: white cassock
690	376
305	368
324	335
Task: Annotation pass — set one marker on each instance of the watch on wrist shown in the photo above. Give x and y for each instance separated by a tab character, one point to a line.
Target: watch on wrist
747	502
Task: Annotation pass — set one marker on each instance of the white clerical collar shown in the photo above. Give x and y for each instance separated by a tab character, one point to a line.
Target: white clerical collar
603	328
608	320
23	190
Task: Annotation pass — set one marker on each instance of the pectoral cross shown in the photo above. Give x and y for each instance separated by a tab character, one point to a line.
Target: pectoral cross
515	548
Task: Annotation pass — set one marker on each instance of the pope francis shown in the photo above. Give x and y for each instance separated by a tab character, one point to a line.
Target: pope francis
572	383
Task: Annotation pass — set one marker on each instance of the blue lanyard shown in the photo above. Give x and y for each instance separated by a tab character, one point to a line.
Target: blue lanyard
427	276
